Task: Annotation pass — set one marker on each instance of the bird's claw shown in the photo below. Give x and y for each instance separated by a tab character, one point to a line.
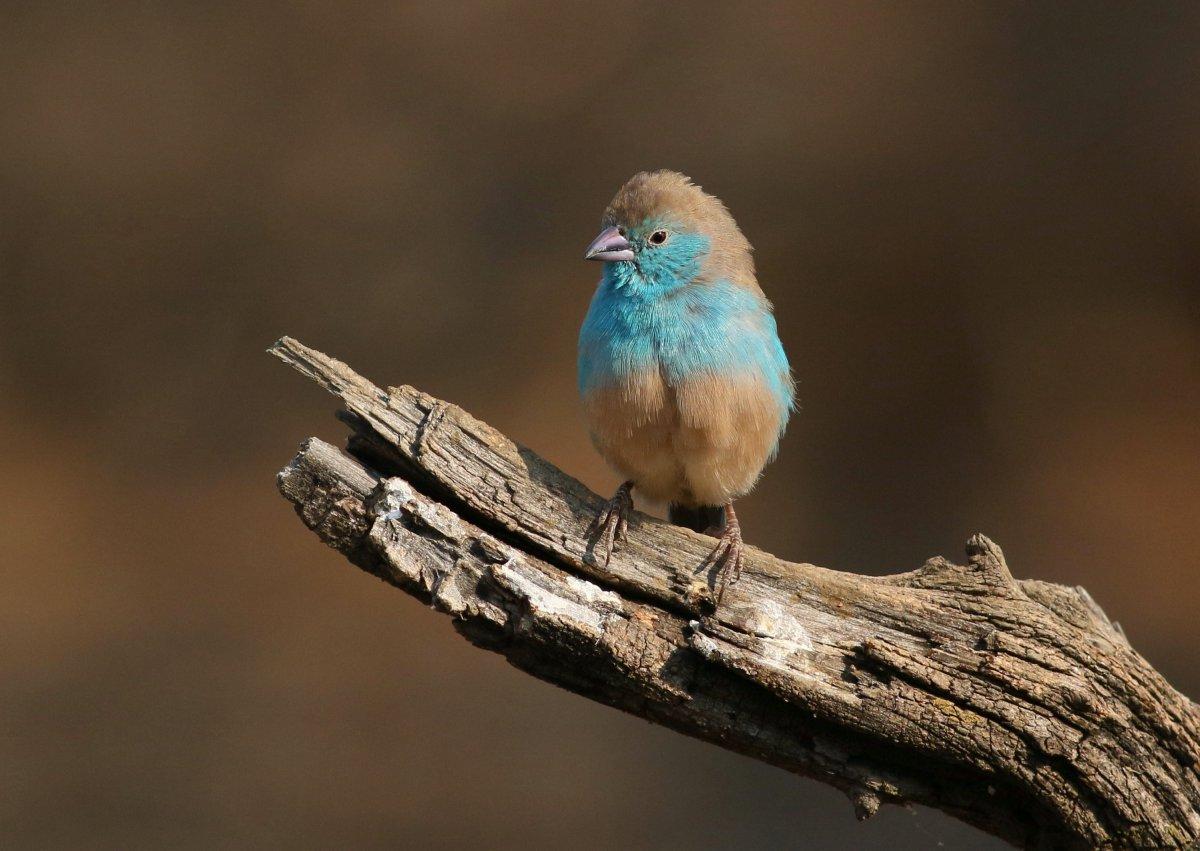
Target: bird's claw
726	558
611	524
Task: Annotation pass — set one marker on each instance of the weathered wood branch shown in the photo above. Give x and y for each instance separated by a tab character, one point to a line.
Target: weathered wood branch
1015	705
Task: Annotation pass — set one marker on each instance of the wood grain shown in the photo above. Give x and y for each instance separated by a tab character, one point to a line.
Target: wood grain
1015	705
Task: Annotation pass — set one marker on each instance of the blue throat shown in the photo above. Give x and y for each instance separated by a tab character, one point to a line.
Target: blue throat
651	313
660	270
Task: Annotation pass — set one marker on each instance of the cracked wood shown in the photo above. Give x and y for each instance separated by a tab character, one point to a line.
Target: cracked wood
1015	705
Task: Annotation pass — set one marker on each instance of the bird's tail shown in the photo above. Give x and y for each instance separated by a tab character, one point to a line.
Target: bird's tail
699	518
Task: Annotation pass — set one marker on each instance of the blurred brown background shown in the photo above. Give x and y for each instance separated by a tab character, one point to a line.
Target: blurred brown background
979	224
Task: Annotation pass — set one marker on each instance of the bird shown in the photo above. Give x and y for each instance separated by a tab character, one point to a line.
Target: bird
685	385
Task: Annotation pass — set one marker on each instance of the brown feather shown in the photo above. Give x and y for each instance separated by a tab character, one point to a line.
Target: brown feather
671	195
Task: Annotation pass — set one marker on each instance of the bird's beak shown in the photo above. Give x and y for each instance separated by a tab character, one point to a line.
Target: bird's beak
609	246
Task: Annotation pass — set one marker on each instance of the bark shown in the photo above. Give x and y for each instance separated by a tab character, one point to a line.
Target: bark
1015	705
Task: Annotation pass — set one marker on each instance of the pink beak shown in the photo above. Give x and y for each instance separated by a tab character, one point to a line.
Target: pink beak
609	246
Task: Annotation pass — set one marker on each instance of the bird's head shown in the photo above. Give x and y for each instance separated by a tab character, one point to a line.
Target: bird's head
662	232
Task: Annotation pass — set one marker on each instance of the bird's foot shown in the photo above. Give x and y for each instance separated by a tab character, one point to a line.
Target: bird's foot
727	556
612	522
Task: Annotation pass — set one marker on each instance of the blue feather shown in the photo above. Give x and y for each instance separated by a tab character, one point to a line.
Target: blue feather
685	384
643	319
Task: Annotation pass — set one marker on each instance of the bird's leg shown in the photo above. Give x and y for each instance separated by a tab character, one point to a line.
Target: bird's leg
612	522
726	557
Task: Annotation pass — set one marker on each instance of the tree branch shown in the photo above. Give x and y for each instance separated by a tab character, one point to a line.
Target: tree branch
1015	705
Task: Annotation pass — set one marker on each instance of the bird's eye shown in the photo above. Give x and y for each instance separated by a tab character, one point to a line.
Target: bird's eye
658	237
621	231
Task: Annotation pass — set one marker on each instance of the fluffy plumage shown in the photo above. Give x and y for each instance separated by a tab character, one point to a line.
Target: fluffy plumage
685	384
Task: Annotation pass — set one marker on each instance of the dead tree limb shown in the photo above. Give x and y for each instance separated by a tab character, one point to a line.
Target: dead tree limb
1015	705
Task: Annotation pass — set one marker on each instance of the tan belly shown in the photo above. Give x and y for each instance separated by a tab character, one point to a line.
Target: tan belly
701	443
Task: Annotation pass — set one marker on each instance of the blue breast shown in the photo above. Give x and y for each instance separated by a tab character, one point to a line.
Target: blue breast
715	328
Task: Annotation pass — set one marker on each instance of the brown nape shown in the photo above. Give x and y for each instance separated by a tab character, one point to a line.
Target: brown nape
671	196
